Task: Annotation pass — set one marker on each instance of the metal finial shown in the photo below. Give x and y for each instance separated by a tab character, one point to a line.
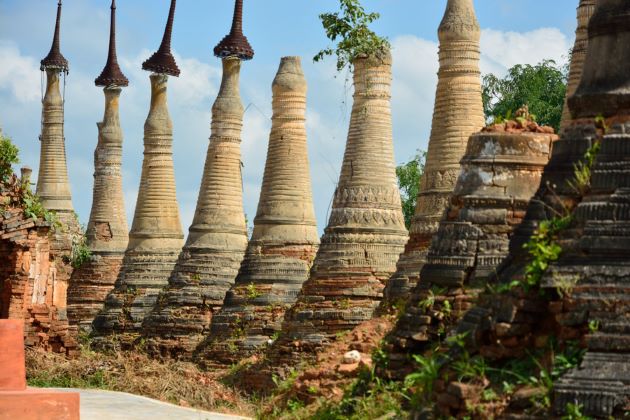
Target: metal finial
55	59
235	44
111	74
163	61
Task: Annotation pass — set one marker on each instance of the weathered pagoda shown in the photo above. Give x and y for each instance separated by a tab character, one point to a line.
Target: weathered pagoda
156	235
365	233
578	55
107	232
285	238
458	113
217	239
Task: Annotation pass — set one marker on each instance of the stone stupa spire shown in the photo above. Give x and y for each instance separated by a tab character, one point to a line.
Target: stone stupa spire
458	113
156	235
107	232
366	230
578	55
52	184
285	238
217	239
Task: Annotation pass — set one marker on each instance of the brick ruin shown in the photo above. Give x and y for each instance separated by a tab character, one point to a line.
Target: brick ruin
156	236
284	240
217	239
32	282
458	113
107	234
501	171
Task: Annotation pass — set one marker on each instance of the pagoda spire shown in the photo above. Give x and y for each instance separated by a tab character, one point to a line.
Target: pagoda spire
111	74
235	43
162	61
55	59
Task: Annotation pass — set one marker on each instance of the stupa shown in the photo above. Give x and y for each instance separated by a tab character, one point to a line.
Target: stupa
217	239
156	235
107	232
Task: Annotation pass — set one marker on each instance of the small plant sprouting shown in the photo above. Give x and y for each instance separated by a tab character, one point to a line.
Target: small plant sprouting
351	27
252	291
593	326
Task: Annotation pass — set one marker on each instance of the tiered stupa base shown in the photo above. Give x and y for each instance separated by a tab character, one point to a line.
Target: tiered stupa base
181	320
251	318
142	277
500	174
90	284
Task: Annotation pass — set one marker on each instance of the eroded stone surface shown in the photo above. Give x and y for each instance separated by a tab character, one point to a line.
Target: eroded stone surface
365	232
107	231
578	55
217	237
156	237
458	113
500	173
285	238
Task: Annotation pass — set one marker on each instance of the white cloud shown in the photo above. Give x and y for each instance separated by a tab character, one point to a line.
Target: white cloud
19	73
502	50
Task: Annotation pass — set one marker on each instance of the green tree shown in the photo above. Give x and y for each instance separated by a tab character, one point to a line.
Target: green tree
541	87
8	157
349	28
409	175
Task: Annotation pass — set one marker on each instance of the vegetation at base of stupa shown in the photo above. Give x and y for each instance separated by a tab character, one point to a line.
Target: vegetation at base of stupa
17	192
349	30
541	87
409	175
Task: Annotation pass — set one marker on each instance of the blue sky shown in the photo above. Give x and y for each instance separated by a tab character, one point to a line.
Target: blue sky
513	32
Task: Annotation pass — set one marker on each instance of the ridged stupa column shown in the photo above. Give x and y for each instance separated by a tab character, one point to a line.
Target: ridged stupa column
458	113
107	232
500	174
156	235
285	238
217	237
53	187
578	55
366	231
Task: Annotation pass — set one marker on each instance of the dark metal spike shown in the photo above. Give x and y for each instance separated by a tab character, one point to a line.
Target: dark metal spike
235	44
163	61
55	59
112	74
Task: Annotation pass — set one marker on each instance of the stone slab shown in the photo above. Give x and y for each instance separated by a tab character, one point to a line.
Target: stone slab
38	404
12	370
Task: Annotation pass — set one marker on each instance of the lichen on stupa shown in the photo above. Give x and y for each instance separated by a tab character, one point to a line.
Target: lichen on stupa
284	240
217	239
107	232
156	236
458	113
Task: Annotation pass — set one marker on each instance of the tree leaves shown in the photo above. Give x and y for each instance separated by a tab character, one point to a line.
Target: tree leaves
542	87
350	27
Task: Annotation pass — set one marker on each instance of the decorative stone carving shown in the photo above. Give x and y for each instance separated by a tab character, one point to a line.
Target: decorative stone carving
578	54
285	238
107	232
500	173
363	239
458	114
